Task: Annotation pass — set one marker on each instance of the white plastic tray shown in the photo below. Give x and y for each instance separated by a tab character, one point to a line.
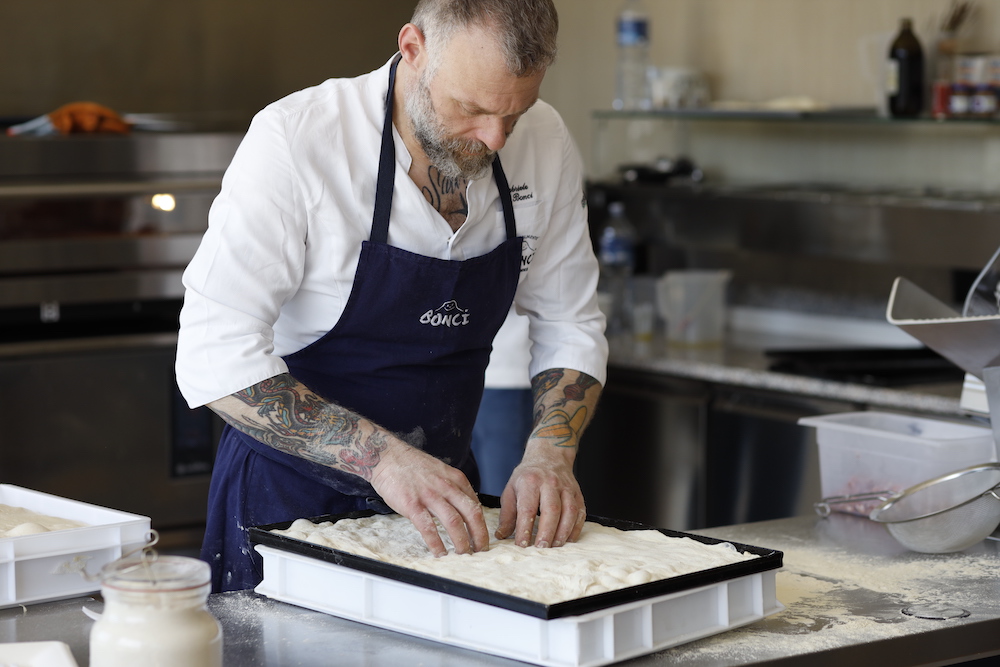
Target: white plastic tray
47	566
597	638
37	654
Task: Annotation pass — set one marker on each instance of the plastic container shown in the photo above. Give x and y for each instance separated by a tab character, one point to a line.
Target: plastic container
597	638
47	566
156	614
693	303
590	631
866	452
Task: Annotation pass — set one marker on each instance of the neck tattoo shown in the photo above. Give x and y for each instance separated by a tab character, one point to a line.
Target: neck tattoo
446	194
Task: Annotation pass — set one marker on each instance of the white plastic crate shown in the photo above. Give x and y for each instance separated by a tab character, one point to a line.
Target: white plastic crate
47	566
596	638
864	452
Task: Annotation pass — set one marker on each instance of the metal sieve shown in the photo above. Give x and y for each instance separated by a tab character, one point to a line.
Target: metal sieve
948	513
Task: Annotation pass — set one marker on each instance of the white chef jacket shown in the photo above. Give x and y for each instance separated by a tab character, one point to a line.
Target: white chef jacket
511	355
276	265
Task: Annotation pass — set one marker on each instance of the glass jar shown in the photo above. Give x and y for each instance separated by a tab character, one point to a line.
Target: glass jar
156	615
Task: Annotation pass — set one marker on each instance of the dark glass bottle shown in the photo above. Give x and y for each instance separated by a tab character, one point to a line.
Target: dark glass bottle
905	73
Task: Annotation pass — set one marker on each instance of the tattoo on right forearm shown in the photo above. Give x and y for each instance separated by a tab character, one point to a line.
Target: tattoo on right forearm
296	421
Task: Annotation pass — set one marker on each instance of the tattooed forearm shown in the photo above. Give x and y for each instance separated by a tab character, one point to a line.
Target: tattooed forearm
561	429
541	384
578	390
557	422
286	415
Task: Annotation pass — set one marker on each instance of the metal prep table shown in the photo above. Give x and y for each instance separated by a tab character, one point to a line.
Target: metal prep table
845	583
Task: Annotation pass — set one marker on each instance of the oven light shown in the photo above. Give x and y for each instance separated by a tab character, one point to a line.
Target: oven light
163	202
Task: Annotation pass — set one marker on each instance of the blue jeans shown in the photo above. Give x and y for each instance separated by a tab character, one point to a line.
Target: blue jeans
499	435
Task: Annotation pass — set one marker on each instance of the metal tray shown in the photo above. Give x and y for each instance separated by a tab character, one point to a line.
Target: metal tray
769	559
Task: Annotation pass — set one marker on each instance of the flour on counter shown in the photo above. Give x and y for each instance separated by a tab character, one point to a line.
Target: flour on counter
17	521
836	597
603	559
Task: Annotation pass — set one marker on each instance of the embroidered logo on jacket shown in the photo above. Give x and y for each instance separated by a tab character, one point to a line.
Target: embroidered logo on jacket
520	193
448	314
528	251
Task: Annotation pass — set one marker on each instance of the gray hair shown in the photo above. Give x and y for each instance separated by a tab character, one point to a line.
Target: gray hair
525	29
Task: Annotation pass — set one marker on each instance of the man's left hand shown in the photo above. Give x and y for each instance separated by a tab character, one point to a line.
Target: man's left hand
543	487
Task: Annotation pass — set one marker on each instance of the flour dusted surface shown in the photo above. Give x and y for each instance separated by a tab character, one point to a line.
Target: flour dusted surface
16	521
603	559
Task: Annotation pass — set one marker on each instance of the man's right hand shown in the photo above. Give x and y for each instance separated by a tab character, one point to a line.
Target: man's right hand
287	415
422	488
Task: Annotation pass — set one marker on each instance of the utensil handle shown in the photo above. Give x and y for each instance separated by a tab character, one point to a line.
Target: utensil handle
823	507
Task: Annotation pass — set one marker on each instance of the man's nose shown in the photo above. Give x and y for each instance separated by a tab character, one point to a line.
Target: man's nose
493	132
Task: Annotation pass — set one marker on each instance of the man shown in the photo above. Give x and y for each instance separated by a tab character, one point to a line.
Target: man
363	252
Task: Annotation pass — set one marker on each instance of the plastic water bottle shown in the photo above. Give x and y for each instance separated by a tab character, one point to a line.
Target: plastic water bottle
616	256
631	77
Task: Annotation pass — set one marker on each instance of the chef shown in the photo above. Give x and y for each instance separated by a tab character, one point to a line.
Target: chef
369	239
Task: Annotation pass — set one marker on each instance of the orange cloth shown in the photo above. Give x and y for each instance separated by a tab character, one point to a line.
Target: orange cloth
87	117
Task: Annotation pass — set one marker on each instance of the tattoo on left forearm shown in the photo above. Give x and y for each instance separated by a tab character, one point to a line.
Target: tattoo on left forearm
561	429
555	420
541	384
578	390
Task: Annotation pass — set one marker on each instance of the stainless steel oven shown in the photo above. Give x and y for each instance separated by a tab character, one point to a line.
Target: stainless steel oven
94	235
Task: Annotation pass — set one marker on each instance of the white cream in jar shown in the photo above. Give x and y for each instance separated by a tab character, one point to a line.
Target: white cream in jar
155	615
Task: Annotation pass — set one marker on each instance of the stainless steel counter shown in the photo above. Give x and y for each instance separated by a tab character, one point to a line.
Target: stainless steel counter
845	584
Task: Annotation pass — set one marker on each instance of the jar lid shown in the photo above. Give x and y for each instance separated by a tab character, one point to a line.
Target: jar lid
156	573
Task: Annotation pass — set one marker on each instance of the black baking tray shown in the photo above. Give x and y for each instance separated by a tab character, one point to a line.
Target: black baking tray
769	559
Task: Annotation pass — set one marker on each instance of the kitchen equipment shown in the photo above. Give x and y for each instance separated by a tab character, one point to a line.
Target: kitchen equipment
945	514
879	366
595	630
693	302
95	232
972	342
866	455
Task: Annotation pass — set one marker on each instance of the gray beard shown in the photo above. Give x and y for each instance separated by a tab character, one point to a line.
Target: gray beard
450	155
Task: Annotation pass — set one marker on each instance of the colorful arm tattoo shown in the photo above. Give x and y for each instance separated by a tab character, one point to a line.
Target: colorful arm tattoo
553	422
296	421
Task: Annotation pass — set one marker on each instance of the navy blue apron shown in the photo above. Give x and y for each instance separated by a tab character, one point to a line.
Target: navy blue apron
409	352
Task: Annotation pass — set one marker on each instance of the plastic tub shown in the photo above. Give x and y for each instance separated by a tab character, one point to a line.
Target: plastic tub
586	632
867	452
48	566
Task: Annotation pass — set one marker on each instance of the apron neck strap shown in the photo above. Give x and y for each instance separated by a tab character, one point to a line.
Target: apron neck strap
386	168
387	175
505	201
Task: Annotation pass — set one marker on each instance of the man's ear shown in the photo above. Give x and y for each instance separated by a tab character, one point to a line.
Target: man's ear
413	46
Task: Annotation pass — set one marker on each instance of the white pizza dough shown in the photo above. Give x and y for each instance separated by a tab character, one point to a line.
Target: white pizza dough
17	521
603	559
